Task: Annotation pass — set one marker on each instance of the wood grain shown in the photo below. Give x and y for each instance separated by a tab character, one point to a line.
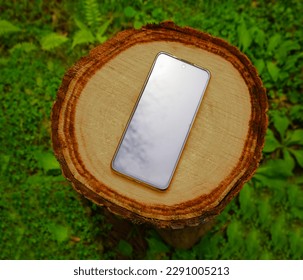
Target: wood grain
98	94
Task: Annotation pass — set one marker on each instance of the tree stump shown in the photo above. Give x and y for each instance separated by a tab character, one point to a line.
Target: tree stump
223	150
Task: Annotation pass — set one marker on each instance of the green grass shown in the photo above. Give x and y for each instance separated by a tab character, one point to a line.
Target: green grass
42	217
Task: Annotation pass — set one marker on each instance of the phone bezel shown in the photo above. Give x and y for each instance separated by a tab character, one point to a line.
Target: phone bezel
138	180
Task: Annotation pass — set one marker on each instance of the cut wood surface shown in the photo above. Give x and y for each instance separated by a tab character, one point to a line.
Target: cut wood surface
224	147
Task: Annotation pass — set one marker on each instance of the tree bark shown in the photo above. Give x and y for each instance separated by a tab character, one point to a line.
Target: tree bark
224	147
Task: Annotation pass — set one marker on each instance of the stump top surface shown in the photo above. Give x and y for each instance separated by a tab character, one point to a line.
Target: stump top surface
224	146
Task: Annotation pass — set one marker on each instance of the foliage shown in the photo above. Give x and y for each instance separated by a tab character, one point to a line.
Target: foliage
42	217
7	27
52	40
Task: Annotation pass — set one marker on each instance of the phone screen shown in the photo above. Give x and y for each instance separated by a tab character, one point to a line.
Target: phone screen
157	130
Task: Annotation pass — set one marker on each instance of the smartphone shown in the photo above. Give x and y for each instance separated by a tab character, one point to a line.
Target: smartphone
155	135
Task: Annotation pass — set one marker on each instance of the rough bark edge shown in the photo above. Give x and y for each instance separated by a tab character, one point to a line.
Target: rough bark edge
257	128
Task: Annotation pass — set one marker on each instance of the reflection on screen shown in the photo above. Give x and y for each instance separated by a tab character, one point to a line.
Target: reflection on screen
151	146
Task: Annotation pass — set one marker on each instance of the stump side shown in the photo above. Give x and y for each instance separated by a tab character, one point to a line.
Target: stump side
223	150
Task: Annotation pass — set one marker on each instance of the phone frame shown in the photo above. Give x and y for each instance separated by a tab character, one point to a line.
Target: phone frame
137	180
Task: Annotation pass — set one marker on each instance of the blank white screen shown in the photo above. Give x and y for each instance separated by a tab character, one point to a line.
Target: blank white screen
155	136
